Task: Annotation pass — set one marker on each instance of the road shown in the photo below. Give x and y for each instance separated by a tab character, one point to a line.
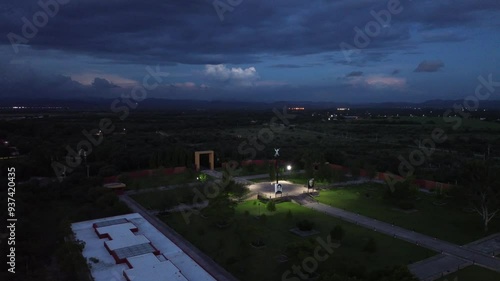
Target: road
199	257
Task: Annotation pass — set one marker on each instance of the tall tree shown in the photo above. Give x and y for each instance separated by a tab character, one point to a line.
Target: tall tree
481	184
220	209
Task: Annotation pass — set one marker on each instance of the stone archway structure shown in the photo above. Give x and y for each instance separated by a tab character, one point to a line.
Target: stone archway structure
210	158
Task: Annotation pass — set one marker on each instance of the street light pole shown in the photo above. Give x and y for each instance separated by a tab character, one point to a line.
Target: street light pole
276	168
86	164
85	158
276	155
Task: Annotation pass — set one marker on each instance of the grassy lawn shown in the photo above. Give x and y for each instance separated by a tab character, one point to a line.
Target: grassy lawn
159	180
231	249
473	273
297	179
467	122
444	222
303	179
160	200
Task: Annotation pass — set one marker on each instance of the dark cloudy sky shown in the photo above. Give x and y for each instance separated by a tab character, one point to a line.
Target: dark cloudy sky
255	50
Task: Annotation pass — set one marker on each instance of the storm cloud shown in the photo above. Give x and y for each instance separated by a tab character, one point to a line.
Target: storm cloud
429	66
274	44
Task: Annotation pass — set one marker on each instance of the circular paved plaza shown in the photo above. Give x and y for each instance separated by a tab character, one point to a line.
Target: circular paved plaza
267	188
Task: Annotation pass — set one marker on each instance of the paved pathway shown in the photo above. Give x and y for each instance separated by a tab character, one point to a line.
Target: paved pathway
218	175
440	246
360	180
441	265
437	266
199	257
213	173
245	179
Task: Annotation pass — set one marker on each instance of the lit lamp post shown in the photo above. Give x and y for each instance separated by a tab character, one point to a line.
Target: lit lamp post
276	155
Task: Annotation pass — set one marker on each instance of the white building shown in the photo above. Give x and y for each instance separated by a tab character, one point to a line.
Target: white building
129	248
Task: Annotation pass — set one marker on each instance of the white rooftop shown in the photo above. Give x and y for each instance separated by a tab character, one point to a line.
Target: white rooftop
148	267
171	264
121	236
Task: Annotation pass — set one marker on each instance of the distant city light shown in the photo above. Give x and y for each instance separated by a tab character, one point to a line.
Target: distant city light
30	107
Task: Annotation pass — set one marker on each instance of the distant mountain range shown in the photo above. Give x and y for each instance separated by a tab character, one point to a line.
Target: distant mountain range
176	105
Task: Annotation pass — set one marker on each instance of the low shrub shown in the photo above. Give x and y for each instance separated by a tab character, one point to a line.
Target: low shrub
370	246
337	233
305	225
271	206
406	205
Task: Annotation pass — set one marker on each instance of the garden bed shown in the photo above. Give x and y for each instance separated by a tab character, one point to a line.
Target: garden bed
304	233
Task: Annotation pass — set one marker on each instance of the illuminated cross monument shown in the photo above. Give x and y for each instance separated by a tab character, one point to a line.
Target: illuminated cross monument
278	189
